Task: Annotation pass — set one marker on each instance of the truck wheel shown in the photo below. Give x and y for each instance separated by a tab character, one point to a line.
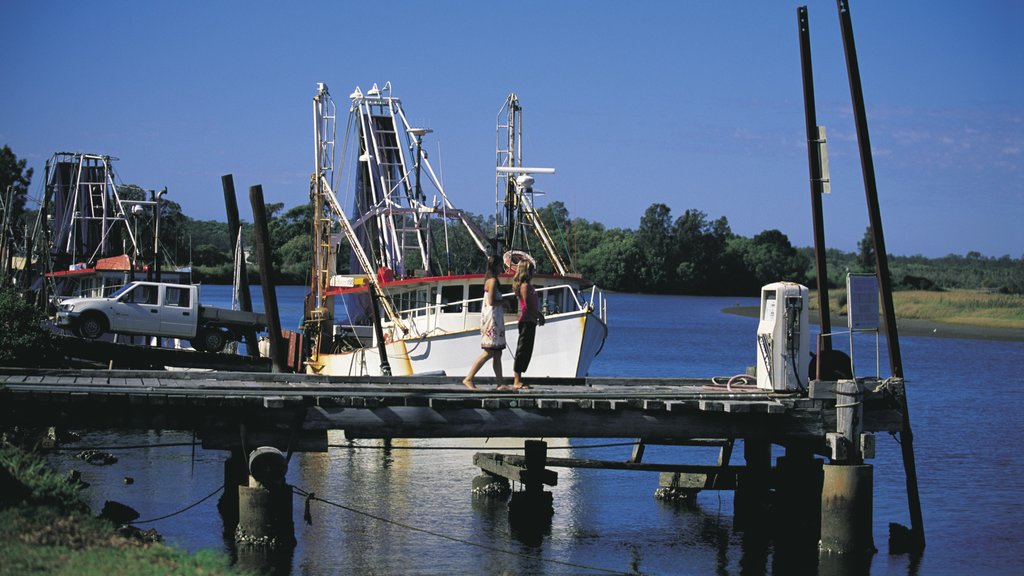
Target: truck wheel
92	326
210	340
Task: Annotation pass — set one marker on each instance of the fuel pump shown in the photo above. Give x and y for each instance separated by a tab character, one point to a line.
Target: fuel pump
783	337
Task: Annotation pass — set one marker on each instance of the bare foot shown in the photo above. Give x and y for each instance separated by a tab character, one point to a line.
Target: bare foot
523	387
503	387
468	383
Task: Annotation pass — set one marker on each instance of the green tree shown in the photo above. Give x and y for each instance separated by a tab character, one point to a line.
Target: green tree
16	178
770	258
654	241
866	252
699	247
612	263
23	339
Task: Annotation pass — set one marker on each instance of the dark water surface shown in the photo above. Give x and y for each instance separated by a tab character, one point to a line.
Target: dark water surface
966	400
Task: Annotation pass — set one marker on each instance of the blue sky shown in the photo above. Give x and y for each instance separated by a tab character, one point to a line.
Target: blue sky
692	104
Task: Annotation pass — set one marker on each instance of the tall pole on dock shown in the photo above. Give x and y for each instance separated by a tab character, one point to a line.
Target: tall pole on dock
259	220
817	183
227	182
882	264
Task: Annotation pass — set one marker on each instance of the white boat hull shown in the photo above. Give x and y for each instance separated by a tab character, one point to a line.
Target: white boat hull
565	347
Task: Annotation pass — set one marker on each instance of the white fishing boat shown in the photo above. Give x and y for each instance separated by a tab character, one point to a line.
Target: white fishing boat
405	310
90	245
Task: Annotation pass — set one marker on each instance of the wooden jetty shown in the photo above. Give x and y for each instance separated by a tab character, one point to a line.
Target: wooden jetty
284	413
213	403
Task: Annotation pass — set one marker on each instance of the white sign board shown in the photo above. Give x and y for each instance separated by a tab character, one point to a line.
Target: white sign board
862	301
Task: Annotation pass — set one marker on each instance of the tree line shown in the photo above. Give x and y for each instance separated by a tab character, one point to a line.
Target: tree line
688	254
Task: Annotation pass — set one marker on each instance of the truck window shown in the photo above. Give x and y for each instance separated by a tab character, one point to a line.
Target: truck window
140	294
148	294
178	297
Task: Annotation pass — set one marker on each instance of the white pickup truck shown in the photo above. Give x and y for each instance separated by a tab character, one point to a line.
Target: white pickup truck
158	309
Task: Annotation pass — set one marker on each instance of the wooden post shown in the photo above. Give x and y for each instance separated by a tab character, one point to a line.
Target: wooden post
532	504
849	420
259	218
882	265
236	474
814	165
751	498
234	231
798	497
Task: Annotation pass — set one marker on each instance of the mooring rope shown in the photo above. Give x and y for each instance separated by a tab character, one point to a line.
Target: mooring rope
185	509
478	448
312	496
127	447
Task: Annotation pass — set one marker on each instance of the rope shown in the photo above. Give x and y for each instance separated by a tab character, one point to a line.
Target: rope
358	447
309	496
185	509
128	447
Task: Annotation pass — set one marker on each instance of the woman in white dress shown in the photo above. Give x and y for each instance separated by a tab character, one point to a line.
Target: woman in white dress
492	327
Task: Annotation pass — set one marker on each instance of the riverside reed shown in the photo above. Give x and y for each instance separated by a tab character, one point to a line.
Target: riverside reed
960	307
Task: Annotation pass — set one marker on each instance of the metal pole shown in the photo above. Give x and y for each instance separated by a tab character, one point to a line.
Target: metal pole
814	164
884	281
156	231
382	349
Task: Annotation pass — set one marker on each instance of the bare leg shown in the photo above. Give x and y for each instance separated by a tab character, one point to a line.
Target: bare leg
499	377
477	364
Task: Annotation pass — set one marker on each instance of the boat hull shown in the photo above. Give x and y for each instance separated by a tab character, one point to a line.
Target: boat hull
565	347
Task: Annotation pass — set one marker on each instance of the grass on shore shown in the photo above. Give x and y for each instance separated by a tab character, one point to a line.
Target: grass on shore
965	307
45	528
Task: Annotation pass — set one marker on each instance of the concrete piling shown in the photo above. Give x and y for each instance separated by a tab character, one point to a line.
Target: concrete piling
265	504
846	509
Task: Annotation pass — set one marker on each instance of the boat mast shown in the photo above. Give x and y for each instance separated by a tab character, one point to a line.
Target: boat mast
325	210
514	194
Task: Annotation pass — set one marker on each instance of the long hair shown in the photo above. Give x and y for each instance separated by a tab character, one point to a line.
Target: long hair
524	271
493	270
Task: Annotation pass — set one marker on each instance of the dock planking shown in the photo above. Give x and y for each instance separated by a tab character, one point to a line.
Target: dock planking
215	404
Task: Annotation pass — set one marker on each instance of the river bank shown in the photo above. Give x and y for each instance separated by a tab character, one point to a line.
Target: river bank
914	327
46	528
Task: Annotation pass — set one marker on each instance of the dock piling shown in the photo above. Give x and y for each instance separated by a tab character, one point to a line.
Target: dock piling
532	503
846	515
753	485
265	504
259	219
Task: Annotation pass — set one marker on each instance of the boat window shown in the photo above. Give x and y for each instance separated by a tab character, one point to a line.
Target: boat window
422	302
476	294
452	297
553	302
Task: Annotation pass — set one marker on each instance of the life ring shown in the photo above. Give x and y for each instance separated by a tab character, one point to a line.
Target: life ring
512	258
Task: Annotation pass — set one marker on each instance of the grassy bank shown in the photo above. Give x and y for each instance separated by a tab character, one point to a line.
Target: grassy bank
45	528
960	307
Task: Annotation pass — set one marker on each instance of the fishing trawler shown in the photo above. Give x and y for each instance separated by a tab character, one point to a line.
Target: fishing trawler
87	231
405	309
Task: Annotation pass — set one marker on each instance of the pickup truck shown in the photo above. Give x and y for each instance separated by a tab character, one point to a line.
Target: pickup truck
158	309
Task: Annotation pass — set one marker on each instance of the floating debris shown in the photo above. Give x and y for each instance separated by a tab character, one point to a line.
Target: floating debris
97	458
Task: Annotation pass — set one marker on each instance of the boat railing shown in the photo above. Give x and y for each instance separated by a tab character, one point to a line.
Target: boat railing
432	318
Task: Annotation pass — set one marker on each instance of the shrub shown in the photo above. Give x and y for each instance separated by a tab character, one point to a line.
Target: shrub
24	339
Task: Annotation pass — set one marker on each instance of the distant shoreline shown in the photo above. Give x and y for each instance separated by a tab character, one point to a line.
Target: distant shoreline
928	328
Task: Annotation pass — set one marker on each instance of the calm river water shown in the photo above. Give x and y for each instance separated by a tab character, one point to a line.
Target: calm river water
966	399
